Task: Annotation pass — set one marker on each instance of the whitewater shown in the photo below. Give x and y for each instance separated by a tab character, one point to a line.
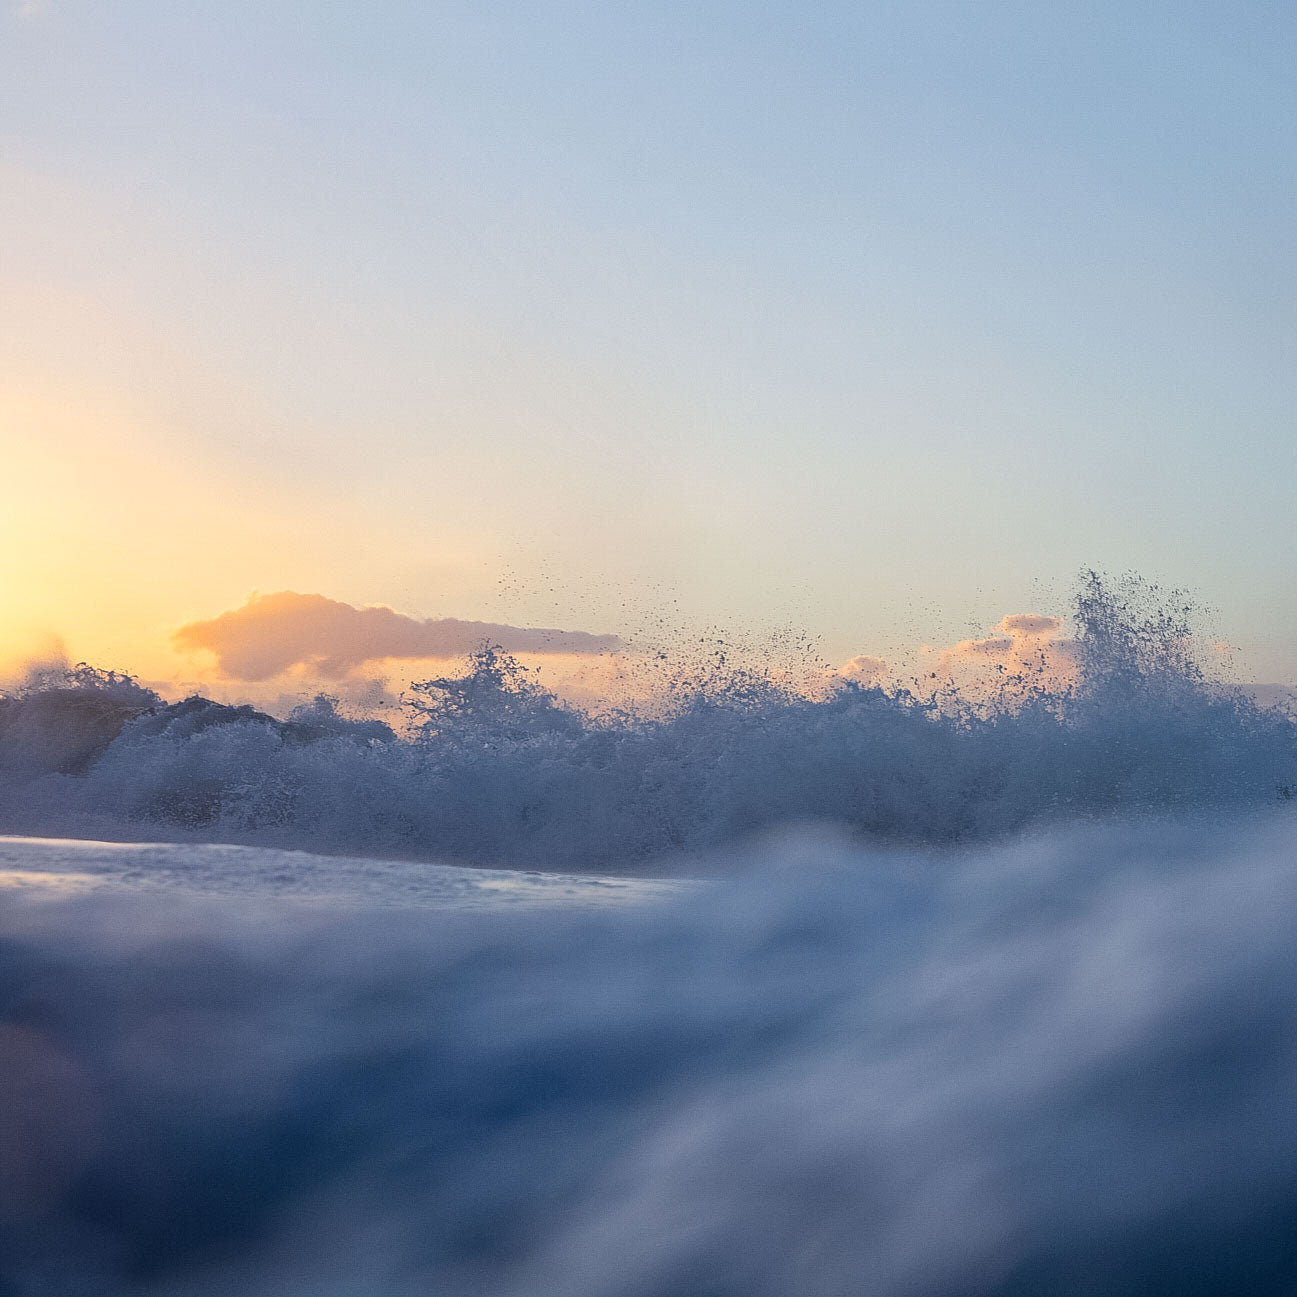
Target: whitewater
890	990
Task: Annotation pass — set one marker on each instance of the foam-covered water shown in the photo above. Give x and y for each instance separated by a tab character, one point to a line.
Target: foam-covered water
1063	1067
489	769
255	875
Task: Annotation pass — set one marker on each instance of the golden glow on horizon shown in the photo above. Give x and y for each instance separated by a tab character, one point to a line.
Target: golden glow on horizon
115	534
106	533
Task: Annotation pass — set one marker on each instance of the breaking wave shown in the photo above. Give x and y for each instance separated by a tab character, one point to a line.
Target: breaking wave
489	768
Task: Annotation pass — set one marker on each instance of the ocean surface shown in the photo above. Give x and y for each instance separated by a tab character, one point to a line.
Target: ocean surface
894	992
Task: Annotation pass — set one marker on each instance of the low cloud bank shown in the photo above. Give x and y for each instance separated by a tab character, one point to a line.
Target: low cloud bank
274	633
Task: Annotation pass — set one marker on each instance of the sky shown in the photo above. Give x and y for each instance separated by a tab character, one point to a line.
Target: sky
876	320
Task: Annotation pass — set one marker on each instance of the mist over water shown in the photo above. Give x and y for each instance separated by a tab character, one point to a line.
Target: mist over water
489	768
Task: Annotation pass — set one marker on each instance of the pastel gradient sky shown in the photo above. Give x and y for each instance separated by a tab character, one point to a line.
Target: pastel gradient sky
881	319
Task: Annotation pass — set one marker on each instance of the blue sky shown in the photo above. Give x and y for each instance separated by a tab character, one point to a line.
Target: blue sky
883	319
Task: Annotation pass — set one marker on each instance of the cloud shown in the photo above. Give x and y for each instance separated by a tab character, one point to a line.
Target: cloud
1027	651
275	632
862	670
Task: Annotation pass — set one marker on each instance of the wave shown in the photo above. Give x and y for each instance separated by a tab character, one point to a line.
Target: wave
1065	1067
489	768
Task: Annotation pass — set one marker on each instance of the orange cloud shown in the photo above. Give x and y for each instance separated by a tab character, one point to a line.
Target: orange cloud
862	670
1027	652
276	632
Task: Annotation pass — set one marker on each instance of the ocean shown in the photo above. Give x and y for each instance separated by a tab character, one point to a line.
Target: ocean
761	995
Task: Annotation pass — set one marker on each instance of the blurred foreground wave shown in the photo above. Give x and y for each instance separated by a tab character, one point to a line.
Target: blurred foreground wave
1062	1067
